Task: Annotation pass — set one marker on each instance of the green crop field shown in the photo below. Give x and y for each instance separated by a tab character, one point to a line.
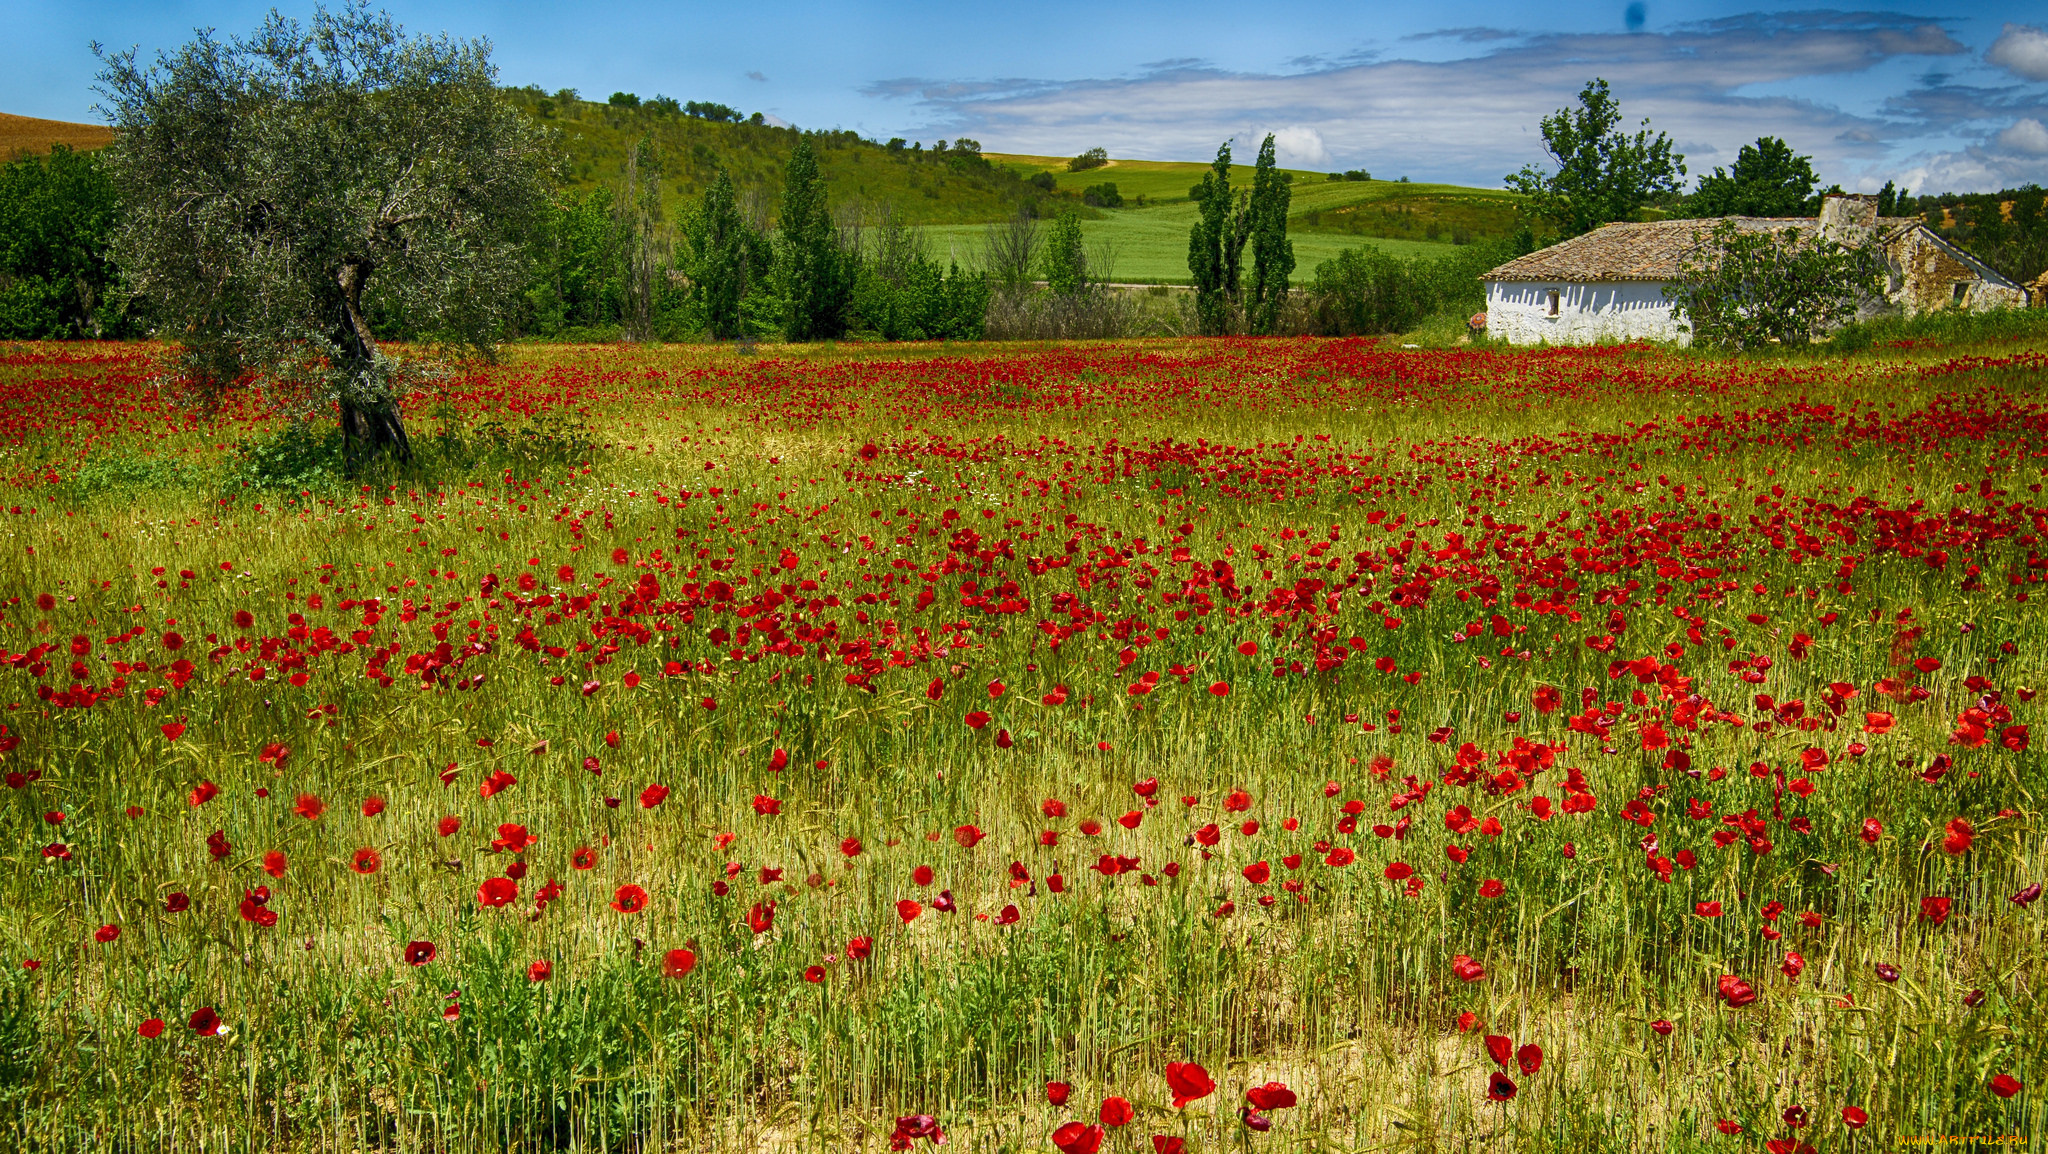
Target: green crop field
1150	245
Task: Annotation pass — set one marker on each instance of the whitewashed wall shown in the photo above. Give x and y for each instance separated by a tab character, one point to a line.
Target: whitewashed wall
1519	312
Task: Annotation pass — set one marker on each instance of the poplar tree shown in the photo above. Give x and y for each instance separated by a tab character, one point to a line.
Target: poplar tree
1272	252
1216	246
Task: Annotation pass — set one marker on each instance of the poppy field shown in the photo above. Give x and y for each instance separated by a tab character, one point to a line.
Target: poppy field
1201	746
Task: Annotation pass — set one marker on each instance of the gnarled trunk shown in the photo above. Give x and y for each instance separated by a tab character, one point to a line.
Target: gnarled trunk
376	424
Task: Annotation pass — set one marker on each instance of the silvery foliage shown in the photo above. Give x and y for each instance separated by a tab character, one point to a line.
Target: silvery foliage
268	182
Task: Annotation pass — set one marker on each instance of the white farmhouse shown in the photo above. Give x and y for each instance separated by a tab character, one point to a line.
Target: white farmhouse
1608	285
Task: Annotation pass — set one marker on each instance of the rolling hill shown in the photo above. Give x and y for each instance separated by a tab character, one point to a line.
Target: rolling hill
26	135
953	192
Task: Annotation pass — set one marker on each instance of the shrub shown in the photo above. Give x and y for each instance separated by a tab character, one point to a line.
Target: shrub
1093	158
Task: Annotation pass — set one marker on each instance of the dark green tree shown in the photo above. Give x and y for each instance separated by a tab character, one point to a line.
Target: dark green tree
1603	175
810	267
1767	180
726	259
1216	246
267	182
1272	252
55	216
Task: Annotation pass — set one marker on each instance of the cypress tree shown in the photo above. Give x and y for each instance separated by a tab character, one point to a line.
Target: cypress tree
722	250
814	284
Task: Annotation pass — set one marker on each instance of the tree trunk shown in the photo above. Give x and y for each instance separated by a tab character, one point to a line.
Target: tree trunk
375	423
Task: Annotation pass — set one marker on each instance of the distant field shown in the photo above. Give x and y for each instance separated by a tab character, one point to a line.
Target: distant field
26	134
1390	210
1150	245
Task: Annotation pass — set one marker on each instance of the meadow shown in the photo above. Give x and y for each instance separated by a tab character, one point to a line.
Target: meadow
1194	745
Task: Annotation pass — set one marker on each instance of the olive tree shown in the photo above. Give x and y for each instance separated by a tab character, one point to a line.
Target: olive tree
269	183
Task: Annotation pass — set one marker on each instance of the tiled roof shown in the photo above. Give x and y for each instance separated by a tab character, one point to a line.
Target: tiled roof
1644	251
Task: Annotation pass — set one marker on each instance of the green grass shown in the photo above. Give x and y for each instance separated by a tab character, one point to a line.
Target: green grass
1485	522
1150	245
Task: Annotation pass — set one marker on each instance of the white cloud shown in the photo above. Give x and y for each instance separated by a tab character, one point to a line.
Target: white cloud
1474	119
2028	136
1299	146
2021	50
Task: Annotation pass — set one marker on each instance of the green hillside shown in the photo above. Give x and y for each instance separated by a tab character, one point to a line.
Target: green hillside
925	186
956	192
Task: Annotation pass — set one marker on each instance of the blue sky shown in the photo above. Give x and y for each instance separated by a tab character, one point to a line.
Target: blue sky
1936	96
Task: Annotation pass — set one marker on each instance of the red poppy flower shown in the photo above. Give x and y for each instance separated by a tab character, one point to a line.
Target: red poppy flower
497	893
206	791
678	963
2005	1085
1056	1093
967	836
1935	910
766	806
1189	1082
1707	909
761	917
629	899
1398	871
151	1028
1466	1022
419	953
448	826
922	875
1116	1112
1727	1127
274	863
173	730
540	971
1491	888
1734	991
106	934
858	948
1854	1117
366	861
1010	915
1343	856
204	1022
1529	1058
1258	873
851	847
1467	969
908	910
1074	1138
1956	838
1662	1027
1499	1087
652	796
309	806
1161	1144
1271	1096
1500	1049
2027	896
778	761
1219	689
814	974
977	719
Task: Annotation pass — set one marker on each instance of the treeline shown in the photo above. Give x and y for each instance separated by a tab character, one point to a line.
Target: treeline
2007	230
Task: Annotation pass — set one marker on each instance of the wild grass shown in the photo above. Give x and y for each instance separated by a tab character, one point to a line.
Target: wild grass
574	466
